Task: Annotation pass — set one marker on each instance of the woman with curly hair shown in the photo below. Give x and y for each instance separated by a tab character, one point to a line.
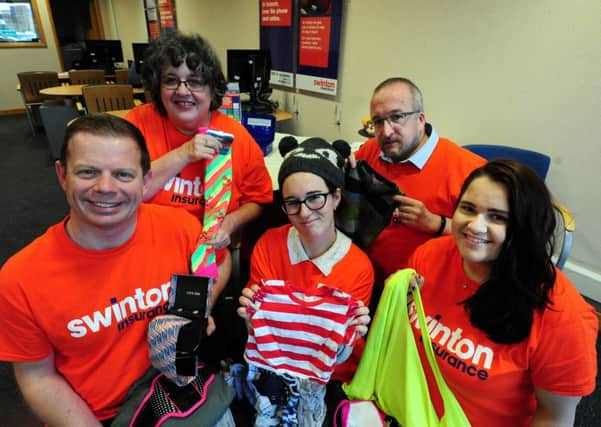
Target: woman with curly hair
186	83
514	339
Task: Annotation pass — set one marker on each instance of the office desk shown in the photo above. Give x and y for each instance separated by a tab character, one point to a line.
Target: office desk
73	91
281	116
119	113
64	76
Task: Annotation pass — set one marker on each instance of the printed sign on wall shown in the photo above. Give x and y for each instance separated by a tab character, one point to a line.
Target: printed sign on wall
160	18
304	39
277	34
319	45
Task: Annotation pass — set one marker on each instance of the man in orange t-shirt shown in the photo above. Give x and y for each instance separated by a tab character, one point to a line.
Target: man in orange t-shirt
77	301
428	169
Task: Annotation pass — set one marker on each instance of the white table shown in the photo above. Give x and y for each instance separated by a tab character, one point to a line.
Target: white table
273	160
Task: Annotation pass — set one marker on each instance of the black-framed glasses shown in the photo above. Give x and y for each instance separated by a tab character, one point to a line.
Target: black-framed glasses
399	118
313	202
194	84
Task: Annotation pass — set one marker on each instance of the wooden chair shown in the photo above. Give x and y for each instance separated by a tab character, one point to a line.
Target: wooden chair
86	77
31	83
122	76
101	98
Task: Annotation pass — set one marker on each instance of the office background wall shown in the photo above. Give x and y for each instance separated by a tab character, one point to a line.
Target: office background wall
515	73
14	60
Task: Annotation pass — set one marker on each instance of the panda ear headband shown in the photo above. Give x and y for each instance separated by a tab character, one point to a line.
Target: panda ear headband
313	155
289	143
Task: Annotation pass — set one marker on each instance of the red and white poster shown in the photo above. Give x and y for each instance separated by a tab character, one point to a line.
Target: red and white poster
167	14
314	41
303	37
319	27
160	17
276	13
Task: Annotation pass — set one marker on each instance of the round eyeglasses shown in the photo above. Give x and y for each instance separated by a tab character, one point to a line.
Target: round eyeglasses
313	202
193	84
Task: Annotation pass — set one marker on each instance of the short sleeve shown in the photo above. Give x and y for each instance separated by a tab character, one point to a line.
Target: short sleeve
564	359
260	260
22	340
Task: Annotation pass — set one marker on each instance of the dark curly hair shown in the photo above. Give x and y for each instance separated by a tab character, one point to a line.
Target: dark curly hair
523	274
173	49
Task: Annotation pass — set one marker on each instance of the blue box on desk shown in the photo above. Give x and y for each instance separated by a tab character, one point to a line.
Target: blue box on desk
262	128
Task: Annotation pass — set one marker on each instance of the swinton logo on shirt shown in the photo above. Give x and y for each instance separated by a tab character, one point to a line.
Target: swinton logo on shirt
185	191
458	351
139	306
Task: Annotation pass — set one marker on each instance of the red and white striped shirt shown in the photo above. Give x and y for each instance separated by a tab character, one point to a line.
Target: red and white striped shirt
300	332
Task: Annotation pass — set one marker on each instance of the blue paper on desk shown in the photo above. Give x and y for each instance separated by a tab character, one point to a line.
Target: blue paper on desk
262	129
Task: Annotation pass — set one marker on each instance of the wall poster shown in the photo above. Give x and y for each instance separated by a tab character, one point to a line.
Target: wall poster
277	35
304	39
319	29
160	17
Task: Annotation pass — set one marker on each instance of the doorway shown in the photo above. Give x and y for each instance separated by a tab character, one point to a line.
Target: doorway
75	22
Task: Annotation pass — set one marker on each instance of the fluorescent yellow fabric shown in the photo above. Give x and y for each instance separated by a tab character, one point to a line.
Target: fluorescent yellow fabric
390	371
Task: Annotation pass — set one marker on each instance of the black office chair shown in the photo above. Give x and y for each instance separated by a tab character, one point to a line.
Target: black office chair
540	163
55	119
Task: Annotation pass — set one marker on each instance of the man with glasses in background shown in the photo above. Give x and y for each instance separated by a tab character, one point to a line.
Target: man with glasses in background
428	169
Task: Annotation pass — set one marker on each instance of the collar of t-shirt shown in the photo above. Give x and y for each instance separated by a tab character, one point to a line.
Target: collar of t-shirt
325	262
422	155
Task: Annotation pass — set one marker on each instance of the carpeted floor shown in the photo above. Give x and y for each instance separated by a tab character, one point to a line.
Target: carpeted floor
33	200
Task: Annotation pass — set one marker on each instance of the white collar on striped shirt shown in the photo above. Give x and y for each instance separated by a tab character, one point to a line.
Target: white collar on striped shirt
325	262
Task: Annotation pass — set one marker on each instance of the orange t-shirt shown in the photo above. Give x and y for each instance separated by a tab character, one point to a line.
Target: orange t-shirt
494	383
92	308
251	181
353	274
437	185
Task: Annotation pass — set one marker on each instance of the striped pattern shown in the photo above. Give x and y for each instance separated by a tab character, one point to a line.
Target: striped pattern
162	341
300	332
218	191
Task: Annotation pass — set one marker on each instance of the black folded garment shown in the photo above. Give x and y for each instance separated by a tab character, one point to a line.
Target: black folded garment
367	204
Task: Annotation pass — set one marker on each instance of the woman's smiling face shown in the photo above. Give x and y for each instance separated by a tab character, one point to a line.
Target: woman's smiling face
480	225
186	109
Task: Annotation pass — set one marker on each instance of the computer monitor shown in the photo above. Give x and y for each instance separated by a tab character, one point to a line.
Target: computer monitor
139	49
73	55
103	54
251	68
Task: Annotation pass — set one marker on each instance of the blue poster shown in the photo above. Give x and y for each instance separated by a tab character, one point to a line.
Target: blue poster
318	42
277	31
